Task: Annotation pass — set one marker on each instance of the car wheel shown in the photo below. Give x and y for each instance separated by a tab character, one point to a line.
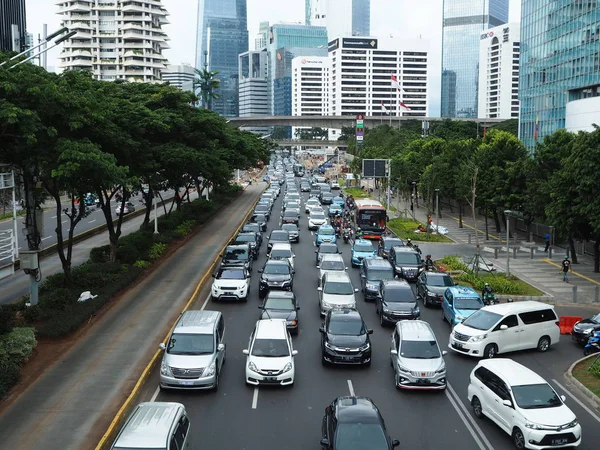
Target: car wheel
477	409
216	386
381	320
397	380
323	362
490	352
518	438
213	298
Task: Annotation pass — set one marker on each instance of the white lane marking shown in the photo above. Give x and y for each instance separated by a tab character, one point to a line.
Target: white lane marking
579	402
53	217
20	248
466	417
64	221
48	237
156	392
92	221
255	398
314	244
351	388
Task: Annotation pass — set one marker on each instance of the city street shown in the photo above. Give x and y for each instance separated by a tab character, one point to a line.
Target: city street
290	418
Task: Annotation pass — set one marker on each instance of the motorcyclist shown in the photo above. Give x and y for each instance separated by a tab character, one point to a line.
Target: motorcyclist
359	233
417	249
429	264
488	294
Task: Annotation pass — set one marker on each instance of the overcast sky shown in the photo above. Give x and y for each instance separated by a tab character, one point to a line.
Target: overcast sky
399	18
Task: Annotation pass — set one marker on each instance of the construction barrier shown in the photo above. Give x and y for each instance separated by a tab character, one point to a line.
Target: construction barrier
566	323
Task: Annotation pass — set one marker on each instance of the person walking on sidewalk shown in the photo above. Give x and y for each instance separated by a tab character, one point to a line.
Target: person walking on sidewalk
547	239
566	267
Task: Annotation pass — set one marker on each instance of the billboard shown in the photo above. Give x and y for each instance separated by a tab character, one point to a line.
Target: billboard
374	168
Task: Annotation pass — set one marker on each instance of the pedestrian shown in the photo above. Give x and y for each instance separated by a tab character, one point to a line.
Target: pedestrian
566	267
547	239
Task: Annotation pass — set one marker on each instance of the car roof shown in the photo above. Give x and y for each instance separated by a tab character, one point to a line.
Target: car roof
280	294
197	321
405	249
325	226
327	245
282	262
415	330
378	261
237	246
347	312
279	231
289	225
362	242
247	233
356	410
518	307
463	291
337	276
395	284
281	245
149	425
271	328
513	372
332	257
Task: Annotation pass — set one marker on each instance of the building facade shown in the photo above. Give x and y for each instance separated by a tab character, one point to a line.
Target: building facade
361	77
310	87
254	86
560	67
181	76
13	26
463	22
222	35
340	17
499	50
116	39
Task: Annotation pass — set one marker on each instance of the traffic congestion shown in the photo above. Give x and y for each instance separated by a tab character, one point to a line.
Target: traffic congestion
321	329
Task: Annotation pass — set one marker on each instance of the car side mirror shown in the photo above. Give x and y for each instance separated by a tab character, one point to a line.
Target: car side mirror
394	352
221	347
325	442
356	290
214	275
563	398
362	275
293	256
319	288
322	330
316	251
369	331
162	346
504	327
260	307
456	283
294	352
507	403
444	352
260	270
340	252
396	277
245	351
395	443
318	267
297	308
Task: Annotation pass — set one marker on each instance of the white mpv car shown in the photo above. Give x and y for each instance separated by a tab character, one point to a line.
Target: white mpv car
522	404
336	291
270	354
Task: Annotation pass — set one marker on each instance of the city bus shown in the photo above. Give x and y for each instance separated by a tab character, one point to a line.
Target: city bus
371	217
299	170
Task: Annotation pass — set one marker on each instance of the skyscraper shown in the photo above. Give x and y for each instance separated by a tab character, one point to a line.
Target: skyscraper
12	25
181	76
222	34
560	67
463	23
340	17
254	86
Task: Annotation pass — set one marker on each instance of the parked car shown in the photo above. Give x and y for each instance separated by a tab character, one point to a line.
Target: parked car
281	305
345	338
396	301
231	283
275	274
459	303
361	249
431	287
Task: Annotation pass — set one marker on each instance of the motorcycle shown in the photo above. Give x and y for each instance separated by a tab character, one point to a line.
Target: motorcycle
347	235
490	299
593	344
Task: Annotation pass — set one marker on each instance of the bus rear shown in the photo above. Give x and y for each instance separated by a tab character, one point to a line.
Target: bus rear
371	218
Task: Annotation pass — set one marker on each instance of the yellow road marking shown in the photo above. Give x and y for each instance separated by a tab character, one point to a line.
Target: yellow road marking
480	231
546	260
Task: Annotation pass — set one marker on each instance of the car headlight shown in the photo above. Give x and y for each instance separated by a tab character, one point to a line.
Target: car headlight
398	269
401	368
252	367
326	304
364	347
287	367
165	370
588	331
536	426
431	294
291	322
442	369
210	370
386	310
572	424
329	346
371	286
479	338
416	311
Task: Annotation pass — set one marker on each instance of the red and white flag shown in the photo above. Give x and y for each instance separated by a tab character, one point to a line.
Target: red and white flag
404	106
396	84
383	108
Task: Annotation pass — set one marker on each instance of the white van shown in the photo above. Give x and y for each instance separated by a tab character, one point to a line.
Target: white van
507	327
157	425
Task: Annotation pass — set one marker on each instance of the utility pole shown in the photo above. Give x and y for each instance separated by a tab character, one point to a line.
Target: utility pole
507	213
437	210
389	184
155	212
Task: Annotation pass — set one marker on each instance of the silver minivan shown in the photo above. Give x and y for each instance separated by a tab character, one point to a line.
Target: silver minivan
195	352
156	425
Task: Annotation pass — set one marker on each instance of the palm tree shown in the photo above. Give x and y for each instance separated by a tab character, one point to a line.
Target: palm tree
207	84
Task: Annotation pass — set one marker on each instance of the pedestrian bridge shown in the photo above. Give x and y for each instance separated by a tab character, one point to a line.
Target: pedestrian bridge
309	143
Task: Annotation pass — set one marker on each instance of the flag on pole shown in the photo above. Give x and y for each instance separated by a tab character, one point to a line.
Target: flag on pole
383	108
404	106
396	84
536	129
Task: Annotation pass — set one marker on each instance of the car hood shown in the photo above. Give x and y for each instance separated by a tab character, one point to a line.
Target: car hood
400	306
339	299
323	272
346	341
465	312
278	314
326	237
275	364
276	277
586	324
561	415
421	365
319	221
188	361
436	289
219	283
363	254
234	262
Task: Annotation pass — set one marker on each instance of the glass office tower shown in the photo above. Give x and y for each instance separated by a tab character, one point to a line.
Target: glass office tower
361	17
560	62
463	23
12	25
222	34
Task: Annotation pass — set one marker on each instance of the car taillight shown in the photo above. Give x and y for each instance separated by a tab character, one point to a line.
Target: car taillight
557	323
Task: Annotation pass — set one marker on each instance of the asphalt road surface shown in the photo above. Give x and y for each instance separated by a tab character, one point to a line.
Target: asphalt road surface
242	417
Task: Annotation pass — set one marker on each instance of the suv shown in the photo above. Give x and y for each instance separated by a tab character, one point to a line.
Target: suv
327	248
281	305
416	357
195	352
406	262
293	231
270	354
282	251
372	272
261	220
345	338
458	303
522	404
231	282
431	287
237	256
336	291
248	238
396	301
386	243
277	237
276	274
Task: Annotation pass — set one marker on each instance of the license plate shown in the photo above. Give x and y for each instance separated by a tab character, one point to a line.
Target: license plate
421	381
270	378
457	345
560	441
347	358
228	293
187	383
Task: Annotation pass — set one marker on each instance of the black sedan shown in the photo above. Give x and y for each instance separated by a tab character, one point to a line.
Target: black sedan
261	220
248	238
396	301
345	338
583	329
281	305
431	287
293	231
290	216
277	274
386	243
263	209
354	423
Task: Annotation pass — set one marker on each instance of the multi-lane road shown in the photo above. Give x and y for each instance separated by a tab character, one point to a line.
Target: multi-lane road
243	417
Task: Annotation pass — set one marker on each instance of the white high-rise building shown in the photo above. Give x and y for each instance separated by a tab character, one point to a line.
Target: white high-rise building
254	86
116	39
499	52
181	76
361	77
310	87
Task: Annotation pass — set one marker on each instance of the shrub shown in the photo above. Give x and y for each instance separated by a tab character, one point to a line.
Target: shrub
7	319
100	254
405	229
453	263
141	240
31	314
127	254
53	282
16	347
57	299
186	227
141	264
157	250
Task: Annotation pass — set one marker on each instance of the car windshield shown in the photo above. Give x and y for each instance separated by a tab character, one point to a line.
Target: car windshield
261	208
282	303
326	231
389	243
338	199
468	303
313	202
482	320
245	238
326	195
289	213
251	227
270	348
190	344
399	295
289	227
317	215
536	396
328	249
419	350
364	248
338	288
260	218
281	253
231	274
380	274
280	236
595	318
236	254
346	326
277	269
407	258
360	436
333	265
440	281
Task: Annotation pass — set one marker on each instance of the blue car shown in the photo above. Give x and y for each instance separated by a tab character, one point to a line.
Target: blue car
338	201
335	209
325	233
362	249
459	303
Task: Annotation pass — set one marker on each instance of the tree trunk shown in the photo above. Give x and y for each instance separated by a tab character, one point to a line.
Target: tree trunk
572	252
460	215
149	202
487	234
596	256
497	221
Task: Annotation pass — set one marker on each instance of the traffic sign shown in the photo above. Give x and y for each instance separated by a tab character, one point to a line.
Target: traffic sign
360	117
359	137
359	124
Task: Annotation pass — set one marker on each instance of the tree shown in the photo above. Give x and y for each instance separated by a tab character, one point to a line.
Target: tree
208	85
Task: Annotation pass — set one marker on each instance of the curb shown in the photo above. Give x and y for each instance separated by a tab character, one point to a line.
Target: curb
593	398
127	405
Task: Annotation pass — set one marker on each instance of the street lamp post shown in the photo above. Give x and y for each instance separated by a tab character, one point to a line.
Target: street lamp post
155	214
507	213
437	209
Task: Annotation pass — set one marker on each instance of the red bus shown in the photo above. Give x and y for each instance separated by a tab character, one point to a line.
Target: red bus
371	217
